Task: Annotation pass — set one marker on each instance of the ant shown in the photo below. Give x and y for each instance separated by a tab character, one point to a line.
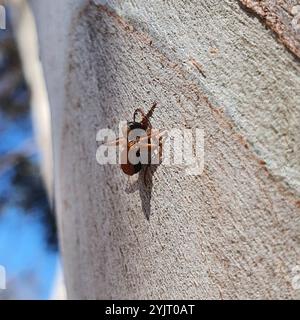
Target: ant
149	141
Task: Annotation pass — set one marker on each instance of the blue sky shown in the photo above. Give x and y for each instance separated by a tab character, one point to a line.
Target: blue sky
29	261
30	264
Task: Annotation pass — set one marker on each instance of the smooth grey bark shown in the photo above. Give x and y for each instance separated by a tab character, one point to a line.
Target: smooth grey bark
232	232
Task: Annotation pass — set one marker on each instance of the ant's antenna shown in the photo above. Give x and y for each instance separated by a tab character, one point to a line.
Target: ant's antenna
150	113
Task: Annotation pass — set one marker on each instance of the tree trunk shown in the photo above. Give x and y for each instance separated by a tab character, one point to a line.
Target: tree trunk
231	232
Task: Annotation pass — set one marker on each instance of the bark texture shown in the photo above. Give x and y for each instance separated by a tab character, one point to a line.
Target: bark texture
283	17
232	232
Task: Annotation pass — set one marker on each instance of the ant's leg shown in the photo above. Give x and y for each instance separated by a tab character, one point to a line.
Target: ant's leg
145	120
145	117
154	134
143	146
151	144
146	146
119	141
149	114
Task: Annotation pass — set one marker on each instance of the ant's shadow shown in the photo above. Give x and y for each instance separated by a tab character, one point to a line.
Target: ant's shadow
144	185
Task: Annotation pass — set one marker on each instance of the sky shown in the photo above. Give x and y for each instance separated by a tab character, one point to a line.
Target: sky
28	245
